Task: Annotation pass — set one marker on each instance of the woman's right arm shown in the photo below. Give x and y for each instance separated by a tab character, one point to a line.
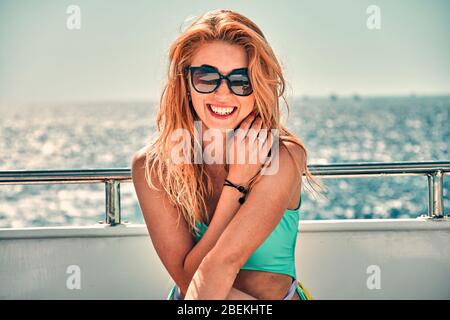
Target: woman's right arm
226	208
228	204
170	235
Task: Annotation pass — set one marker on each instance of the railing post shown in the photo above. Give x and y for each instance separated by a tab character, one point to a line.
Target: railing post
113	214
430	195
435	195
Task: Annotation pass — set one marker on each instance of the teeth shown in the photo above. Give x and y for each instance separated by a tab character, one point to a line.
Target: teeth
222	111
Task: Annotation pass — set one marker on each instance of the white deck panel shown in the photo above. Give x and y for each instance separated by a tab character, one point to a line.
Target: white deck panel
413	256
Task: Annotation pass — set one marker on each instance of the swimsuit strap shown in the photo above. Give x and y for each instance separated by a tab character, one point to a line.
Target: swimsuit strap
291	290
176	294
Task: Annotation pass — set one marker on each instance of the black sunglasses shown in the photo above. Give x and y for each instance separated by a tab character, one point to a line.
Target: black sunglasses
206	79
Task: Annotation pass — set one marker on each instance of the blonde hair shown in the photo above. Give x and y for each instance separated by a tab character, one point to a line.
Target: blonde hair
188	185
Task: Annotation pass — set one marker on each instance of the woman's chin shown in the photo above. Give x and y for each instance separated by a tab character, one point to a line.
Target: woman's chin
223	128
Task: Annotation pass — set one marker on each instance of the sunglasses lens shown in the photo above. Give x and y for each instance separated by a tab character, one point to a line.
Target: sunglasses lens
205	80
240	84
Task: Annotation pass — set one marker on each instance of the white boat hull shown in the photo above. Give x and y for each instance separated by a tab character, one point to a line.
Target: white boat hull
336	259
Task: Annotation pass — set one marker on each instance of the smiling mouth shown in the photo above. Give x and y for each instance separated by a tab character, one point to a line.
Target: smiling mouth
221	111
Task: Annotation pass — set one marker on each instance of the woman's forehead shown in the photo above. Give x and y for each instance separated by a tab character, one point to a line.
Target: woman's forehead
224	56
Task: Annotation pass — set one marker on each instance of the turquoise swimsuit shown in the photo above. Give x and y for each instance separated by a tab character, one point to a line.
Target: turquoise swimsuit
275	254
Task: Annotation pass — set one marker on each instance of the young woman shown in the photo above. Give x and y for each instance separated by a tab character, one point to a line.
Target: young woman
225	229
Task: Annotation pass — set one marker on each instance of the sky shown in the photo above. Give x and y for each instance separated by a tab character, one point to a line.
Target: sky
120	50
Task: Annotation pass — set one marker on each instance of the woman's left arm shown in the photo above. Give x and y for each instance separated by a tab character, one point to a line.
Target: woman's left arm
252	224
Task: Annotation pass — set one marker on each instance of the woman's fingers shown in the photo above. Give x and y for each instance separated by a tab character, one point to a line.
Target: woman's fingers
254	129
268	143
253	137
247	122
250	148
262	136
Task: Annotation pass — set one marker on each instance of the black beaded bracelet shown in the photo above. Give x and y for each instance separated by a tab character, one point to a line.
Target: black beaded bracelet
241	189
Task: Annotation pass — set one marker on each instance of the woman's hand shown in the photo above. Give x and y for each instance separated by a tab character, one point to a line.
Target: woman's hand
247	149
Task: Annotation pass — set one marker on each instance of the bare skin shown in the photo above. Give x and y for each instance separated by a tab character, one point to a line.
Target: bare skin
253	282
248	285
210	269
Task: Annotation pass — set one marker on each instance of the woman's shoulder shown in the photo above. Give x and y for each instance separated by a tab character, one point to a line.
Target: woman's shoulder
138	165
293	149
140	157
138	160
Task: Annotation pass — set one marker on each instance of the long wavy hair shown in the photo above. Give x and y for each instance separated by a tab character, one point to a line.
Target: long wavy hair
187	185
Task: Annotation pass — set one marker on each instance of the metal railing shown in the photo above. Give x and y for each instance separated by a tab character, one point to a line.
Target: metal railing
434	170
110	177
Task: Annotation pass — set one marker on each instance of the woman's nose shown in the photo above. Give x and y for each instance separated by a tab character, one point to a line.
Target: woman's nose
223	88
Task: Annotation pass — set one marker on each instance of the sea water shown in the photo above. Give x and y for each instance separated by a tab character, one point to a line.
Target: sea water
105	135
